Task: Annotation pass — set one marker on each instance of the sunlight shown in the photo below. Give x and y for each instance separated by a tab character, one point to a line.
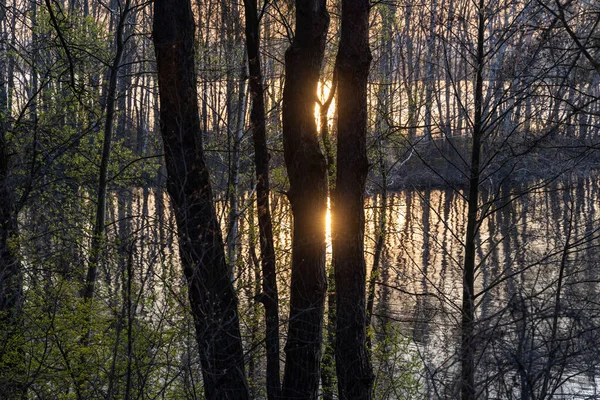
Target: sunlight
323	92
328	230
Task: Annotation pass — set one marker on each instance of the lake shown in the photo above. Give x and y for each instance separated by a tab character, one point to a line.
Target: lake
529	334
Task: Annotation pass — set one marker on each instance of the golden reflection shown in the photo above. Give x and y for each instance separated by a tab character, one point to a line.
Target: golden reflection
328	229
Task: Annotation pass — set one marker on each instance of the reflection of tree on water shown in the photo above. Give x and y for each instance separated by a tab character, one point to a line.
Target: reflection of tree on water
424	307
416	290
528	345
395	361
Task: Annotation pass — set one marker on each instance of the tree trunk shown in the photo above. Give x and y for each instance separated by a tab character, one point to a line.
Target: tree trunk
11	277
269	296
355	376
111	101
308	198
211	293
467	356
234	174
429	66
328	384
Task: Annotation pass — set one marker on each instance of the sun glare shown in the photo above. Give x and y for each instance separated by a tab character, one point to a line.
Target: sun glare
323	92
328	228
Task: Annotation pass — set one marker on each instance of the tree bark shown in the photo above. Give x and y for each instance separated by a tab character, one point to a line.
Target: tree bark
306	169
211	293
269	296
353	367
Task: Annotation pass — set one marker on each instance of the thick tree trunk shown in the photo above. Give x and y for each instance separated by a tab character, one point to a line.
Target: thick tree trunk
355	376
265	226
308	198
211	293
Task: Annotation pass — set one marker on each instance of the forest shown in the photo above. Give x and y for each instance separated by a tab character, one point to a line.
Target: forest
299	199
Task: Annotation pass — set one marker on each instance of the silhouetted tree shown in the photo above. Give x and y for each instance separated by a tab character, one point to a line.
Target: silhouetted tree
269	296
355	376
307	173
211	293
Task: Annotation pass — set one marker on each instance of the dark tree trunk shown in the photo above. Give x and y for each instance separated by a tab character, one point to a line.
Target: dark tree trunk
111	102
308	198
11	278
269	296
355	376
328	384
467	356
211	293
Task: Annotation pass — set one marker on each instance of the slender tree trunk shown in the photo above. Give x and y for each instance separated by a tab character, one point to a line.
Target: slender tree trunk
211	293
553	346
353	367
308	198
130	319
236	117
11	276
328	362
10	270
234	174
381	128
111	101
429	66
467	383
269	296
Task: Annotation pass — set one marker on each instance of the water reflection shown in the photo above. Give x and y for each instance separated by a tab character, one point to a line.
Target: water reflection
525	237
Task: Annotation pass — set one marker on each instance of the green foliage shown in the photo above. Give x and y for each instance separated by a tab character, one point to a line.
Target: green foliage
51	356
397	366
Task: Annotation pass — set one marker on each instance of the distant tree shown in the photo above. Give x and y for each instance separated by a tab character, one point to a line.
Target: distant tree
580	20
